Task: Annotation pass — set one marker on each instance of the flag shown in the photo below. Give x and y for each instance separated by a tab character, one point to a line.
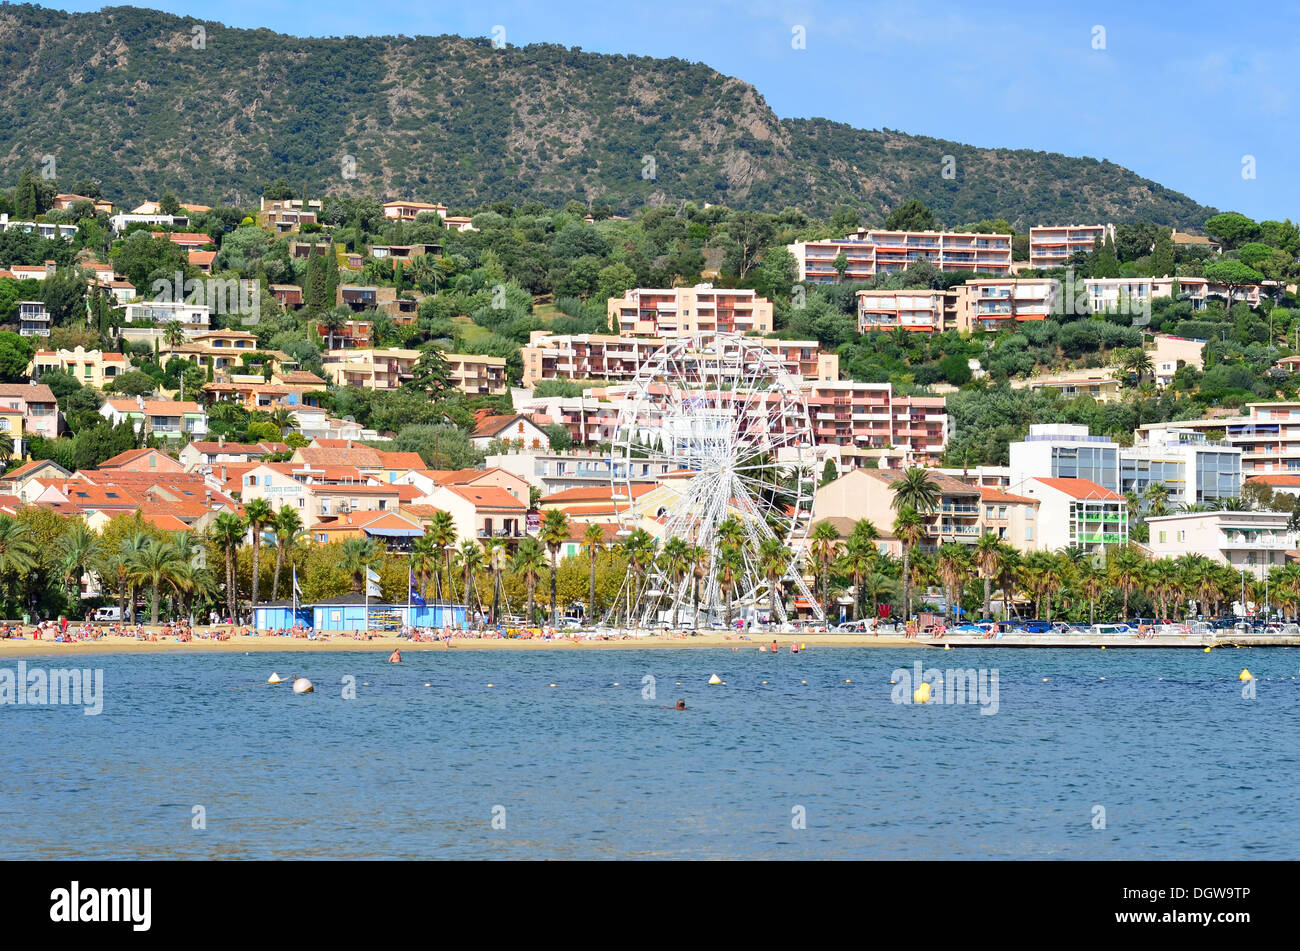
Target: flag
414	595
372	575
372	589
296	590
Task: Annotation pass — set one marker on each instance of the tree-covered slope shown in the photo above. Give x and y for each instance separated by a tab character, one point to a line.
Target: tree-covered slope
123	95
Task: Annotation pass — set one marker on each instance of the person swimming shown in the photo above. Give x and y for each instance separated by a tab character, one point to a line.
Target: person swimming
681	705
395	657
775	649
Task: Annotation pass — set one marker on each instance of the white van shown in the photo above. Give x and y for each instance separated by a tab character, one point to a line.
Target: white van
107	614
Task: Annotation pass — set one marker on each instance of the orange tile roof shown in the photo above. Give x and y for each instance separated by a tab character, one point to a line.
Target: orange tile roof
988	494
594	493
1276	478
1081	489
488	496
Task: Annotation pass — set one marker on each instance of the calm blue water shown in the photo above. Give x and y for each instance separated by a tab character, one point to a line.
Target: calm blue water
1184	767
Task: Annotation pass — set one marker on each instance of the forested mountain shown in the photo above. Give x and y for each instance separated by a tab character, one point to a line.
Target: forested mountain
146	102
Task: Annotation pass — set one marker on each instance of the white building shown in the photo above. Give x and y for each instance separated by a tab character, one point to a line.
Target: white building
1249	541
1078	513
1064	451
193	318
1193	468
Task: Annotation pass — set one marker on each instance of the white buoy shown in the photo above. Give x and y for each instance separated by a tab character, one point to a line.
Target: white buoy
275	679
303	685
715	679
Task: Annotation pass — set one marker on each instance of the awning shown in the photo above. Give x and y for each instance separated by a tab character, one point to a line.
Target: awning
395	532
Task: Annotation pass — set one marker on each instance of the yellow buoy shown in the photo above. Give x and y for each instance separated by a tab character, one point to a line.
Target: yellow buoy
766	681
1101	678
848	681
1245	675
550	685
275	679
491	685
1103	646
921	694
303	685
947	647
715	679
803	681
1207	650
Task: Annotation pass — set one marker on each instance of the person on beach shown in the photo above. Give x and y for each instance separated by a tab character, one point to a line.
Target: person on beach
395	657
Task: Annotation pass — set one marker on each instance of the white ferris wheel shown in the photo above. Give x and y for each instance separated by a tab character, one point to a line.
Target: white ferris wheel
723	428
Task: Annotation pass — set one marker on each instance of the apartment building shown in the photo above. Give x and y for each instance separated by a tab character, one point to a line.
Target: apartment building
1064	451
866	493
1078	513
996	304
33	319
120	222
1268	436
1108	293
1251	542
817	261
95	368
477	375
402	253
43	229
27	409
193	318
1054	245
222	350
589	418
1097	384
678	311
409	210
946	250
865	418
373	369
1193	469
171	419
614	358
553	472
921	311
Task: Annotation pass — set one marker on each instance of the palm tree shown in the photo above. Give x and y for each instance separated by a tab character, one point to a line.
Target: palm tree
18	553
356	557
825	547
424	561
155	565
173	333
554	533
987	557
593	541
257	514
228	533
1125	567
1092	582
877	585
730	564
859	560
1034	578
909	529
529	561
283	419
498	559
952	564
773	560
675	560
1157	499
915	489
333	322
1008	568
470	557
699	557
639	549
442	533
1138	362
128	548
288	529
79	550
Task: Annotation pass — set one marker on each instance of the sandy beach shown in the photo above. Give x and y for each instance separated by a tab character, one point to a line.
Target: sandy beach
111	644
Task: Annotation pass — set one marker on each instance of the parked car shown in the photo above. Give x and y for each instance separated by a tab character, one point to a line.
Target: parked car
107	614
1035	627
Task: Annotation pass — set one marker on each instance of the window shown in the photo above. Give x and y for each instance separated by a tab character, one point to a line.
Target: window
1029	533
1162	536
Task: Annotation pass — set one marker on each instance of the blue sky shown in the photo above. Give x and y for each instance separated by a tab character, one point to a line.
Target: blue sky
1181	96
